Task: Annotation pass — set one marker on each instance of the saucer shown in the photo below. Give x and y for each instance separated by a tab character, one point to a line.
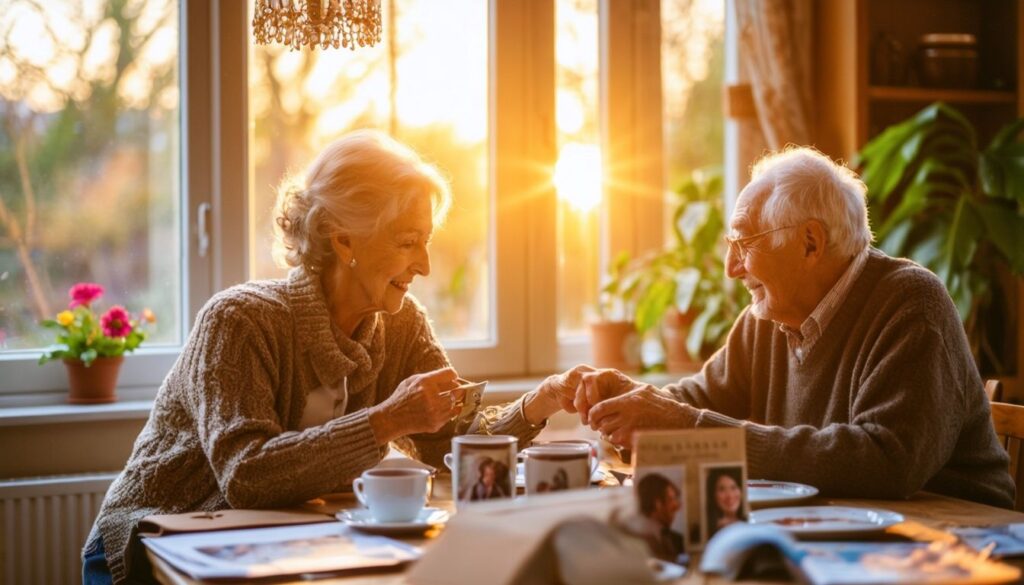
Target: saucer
361	519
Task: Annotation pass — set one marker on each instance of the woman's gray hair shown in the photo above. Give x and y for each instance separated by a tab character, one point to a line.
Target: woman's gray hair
799	184
358	184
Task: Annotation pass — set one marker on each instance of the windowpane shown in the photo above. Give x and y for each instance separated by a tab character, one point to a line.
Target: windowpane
693	64
426	85
90	176
578	170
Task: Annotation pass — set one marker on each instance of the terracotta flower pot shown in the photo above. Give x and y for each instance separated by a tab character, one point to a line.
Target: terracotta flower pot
615	344
675	329
97	383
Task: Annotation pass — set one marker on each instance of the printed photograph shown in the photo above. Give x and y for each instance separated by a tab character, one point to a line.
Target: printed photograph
485	475
661	515
723	496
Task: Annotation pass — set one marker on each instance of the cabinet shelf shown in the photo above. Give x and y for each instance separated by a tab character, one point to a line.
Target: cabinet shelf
883	93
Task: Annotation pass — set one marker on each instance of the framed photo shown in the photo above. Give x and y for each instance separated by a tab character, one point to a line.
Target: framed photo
723	496
694	450
661	510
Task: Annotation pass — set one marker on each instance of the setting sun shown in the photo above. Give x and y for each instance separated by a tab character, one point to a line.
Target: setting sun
578	175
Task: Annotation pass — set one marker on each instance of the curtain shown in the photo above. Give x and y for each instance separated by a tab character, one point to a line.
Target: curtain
775	56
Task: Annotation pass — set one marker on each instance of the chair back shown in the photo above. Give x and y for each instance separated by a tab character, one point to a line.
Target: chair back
994	390
1008	420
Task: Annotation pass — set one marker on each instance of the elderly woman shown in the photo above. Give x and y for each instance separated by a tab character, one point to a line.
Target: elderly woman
288	389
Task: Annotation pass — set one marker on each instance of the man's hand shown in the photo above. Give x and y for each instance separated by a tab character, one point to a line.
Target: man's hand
645	407
598	385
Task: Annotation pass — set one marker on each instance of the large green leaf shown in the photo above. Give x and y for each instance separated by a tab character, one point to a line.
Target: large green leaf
696	337
653	303
1005	229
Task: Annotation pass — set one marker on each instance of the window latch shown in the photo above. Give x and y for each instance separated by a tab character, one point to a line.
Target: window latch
203	214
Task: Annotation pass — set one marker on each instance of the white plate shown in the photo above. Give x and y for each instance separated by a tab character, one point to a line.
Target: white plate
765	492
664	572
361	519
827	521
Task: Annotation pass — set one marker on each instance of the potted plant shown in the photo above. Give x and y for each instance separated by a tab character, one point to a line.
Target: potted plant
936	198
614	341
93	348
683	287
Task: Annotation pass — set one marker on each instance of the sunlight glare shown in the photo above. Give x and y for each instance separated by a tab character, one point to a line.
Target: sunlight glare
578	175
569	113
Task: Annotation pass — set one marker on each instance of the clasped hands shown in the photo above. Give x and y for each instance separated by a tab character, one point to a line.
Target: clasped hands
615	405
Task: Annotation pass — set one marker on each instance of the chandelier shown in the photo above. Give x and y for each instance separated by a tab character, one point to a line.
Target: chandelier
317	23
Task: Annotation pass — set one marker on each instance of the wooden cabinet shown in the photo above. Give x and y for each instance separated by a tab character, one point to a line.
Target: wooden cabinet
867	76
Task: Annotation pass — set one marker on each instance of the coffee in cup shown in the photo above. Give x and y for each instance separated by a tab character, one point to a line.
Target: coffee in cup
393	495
554	467
483	467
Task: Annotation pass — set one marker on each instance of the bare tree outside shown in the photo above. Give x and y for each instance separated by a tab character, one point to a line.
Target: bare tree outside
89	164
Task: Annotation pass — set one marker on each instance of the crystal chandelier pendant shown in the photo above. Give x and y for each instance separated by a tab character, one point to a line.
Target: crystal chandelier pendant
317	23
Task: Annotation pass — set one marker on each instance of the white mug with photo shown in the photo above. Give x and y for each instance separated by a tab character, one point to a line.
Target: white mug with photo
483	467
554	467
723	496
393	495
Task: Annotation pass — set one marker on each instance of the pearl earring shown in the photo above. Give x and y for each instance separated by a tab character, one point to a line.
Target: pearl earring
352	264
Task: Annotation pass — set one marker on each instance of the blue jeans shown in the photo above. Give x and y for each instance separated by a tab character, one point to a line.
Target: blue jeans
94	566
96	572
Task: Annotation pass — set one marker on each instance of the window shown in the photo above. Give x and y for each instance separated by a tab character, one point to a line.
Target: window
578	178
301	101
90	170
693	65
161	187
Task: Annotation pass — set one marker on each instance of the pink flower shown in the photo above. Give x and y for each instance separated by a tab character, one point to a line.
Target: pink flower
116	322
84	293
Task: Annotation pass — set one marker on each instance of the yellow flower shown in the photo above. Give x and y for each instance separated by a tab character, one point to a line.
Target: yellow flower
148	316
65	318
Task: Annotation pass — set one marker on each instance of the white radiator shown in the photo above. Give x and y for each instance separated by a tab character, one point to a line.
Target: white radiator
43	525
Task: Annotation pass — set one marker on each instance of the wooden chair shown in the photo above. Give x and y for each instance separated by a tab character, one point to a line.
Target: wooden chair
994	390
1008	420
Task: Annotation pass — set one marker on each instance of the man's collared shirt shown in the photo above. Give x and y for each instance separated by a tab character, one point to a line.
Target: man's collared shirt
801	342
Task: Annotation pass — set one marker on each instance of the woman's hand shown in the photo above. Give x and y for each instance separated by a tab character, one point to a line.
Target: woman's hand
422	403
555	393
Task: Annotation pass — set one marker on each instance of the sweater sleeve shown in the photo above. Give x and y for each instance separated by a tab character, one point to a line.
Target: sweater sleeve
723	383
904	421
230	392
507	419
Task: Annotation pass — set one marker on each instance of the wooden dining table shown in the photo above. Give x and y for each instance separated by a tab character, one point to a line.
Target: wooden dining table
925	509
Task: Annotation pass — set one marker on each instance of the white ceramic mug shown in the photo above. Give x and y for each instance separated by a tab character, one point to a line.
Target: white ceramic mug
556	467
393	495
483	467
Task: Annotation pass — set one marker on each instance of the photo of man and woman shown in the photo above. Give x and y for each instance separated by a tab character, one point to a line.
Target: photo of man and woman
661	521
484	476
723	497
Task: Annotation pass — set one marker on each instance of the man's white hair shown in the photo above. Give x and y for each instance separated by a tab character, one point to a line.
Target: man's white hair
799	184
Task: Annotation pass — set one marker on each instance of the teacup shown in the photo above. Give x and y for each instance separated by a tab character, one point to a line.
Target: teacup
553	467
393	495
483	467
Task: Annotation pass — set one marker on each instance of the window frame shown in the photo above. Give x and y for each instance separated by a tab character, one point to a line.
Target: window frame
143	371
213	59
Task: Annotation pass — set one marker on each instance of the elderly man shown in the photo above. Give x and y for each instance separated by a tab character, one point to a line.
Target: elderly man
850	370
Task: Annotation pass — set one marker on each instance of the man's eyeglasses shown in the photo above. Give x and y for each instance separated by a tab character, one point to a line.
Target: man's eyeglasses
740	247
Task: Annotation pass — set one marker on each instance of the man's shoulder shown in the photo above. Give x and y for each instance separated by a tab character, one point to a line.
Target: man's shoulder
892	282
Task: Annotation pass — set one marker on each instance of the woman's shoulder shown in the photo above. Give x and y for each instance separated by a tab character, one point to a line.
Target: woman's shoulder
257	300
